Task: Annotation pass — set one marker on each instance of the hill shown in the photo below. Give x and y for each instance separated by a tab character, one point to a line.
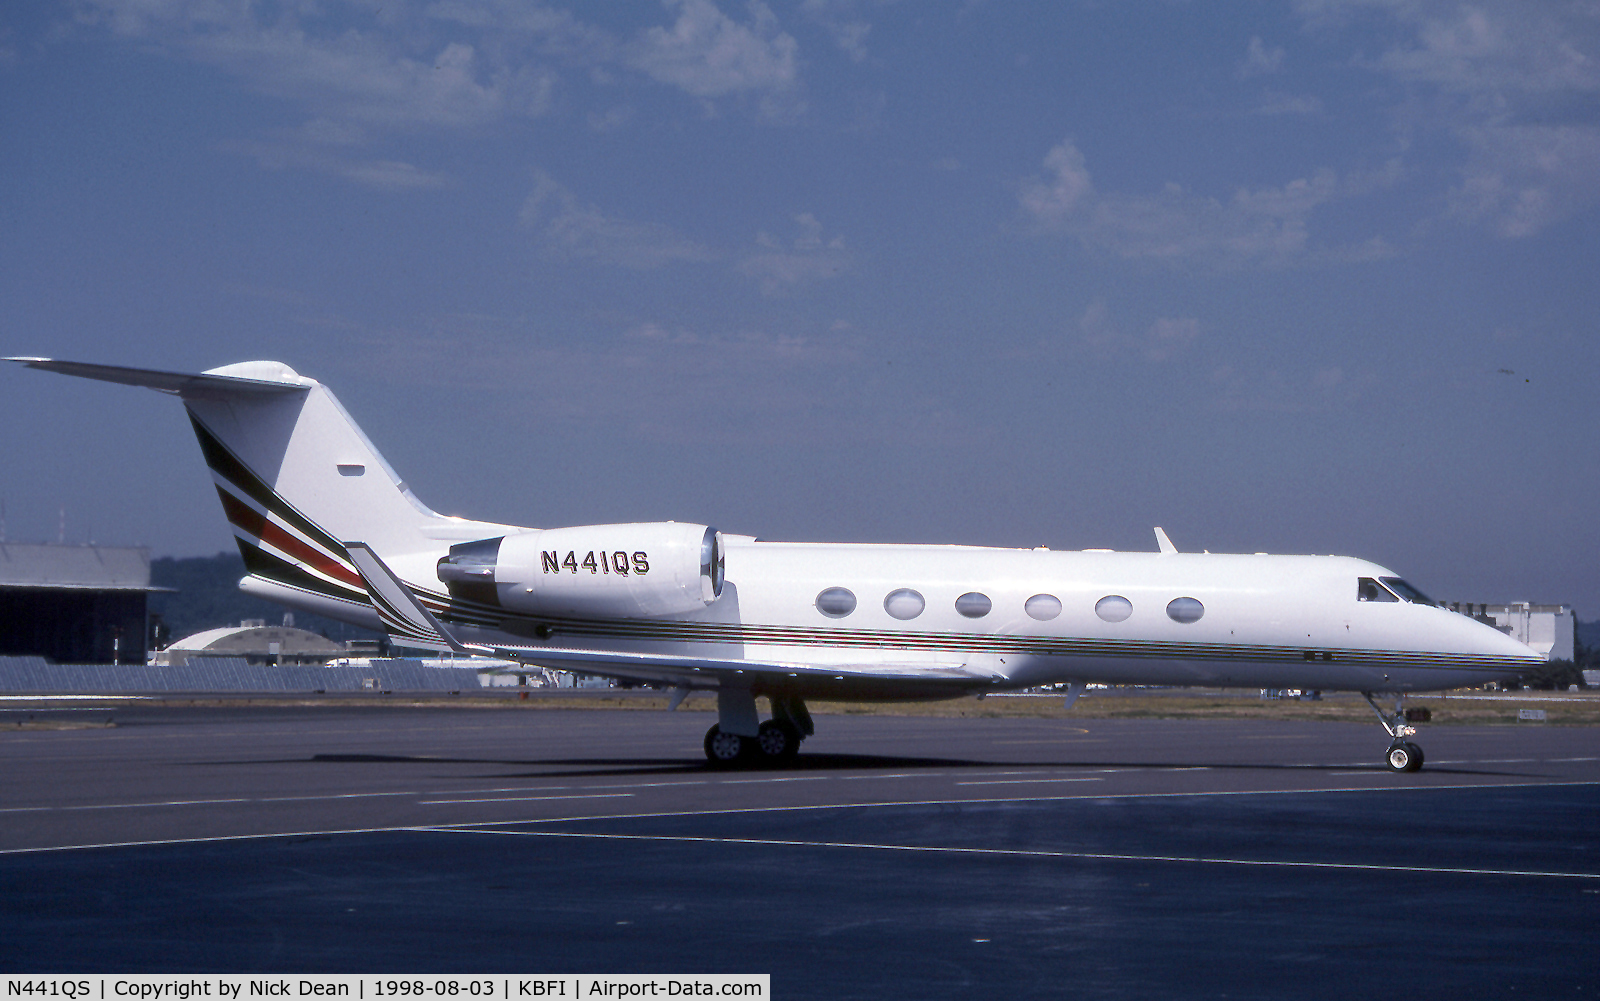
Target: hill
206	595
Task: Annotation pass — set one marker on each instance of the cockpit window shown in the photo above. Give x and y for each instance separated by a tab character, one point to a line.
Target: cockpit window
1408	592
1370	590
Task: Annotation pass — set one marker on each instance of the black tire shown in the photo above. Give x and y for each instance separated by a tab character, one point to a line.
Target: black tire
778	742
725	750
1401	757
1417	756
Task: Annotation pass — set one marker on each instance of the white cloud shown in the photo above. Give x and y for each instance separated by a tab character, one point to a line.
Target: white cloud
332	148
1051	201
1510	47
570	229
1277	103
841	19
392	175
708	54
786	386
345	67
808	258
1169	336
1272	390
1162	341
1260	60
1262	225
1517	86
1523	178
374	70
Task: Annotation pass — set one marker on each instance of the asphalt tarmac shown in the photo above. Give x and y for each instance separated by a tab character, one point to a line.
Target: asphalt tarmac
899	857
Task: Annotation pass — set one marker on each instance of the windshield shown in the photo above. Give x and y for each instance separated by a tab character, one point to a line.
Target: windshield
1368	589
1407	592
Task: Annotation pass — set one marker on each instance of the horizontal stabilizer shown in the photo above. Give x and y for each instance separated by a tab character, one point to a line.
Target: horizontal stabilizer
264	377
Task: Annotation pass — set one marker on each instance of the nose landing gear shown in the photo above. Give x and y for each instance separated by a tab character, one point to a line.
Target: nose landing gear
1403	755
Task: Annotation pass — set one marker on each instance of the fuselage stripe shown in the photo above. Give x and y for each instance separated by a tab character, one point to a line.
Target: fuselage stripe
248	519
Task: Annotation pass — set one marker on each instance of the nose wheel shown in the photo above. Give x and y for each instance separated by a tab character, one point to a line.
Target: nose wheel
1403	755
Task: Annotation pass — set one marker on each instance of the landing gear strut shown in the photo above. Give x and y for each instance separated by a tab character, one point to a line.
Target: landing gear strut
1403	755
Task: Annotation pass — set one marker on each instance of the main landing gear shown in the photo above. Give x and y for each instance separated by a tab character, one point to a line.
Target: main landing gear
1403	755
774	743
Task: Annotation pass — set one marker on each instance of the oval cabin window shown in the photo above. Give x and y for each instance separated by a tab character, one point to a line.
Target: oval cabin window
1185	610
836	602
974	605
1113	608
1043	607
904	603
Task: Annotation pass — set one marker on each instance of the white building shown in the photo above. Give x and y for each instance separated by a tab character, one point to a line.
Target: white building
1550	629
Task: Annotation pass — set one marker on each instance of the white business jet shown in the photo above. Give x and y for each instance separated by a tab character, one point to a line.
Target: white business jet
325	525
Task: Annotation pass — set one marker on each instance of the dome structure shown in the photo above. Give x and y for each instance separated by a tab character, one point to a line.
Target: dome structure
256	643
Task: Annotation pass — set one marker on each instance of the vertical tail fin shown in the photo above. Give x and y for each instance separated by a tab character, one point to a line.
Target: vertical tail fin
295	475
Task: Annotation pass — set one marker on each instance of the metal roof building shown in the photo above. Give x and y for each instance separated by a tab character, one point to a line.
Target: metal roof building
83	604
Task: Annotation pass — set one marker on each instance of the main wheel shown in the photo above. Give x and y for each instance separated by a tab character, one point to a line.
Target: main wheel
778	742
723	750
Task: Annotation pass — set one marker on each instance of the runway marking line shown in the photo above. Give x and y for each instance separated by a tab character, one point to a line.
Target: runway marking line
479	826
1359	769
120	806
206	802
524	799
1022	853
896	775
1006	782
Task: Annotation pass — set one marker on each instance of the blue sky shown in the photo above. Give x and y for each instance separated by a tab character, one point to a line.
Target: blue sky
1287	277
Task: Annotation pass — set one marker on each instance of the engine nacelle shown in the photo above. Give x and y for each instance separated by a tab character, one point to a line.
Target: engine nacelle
622	571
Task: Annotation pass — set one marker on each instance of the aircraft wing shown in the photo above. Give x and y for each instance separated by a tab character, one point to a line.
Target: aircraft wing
708	672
